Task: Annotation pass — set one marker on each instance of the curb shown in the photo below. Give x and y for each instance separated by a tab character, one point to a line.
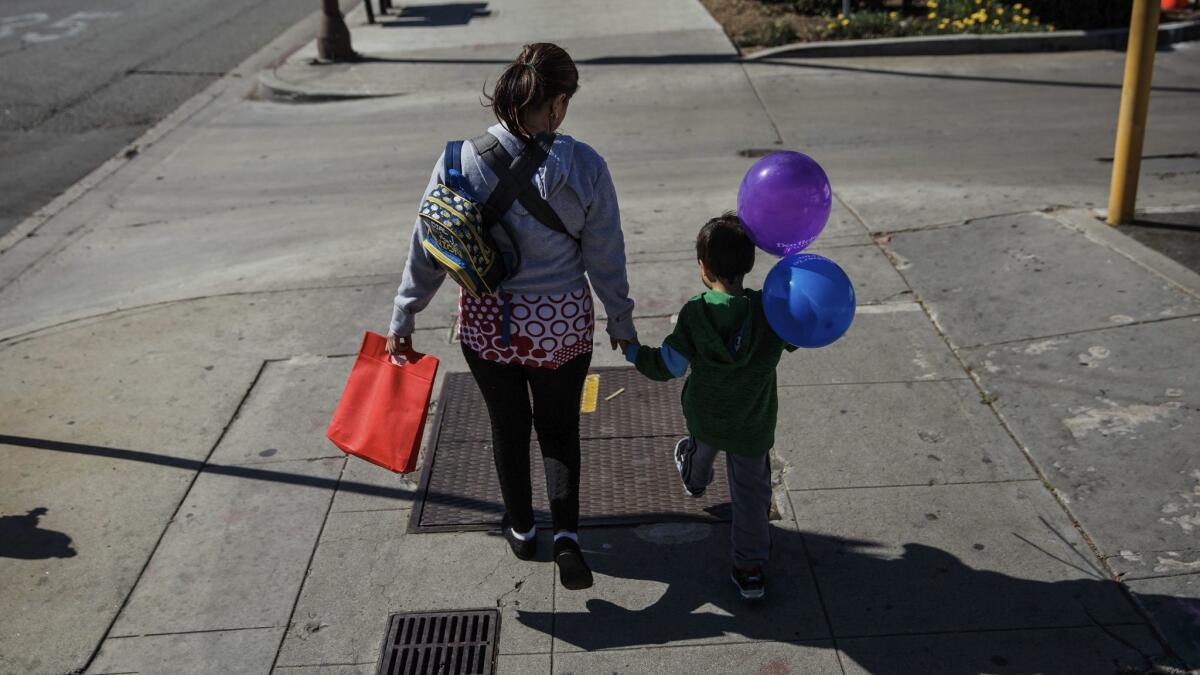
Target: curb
271	87
1089	222
939	45
235	81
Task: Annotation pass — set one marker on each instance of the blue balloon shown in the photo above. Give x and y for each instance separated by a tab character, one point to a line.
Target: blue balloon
808	300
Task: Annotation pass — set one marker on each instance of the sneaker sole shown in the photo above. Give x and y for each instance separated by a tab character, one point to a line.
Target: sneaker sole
748	595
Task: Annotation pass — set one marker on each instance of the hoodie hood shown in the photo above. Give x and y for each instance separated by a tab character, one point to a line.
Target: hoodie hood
551	177
716	321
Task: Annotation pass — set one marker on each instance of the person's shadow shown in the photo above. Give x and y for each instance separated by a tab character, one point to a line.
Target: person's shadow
924	611
20	537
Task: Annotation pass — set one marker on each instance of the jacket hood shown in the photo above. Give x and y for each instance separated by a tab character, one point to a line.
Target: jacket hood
717	318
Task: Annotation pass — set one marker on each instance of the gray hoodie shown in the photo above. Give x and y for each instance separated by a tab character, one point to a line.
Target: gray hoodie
576	182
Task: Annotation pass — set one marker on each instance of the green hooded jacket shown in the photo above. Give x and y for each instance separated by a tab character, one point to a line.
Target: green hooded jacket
729	400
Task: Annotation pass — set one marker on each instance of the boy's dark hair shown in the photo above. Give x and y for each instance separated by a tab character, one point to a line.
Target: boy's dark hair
541	72
724	248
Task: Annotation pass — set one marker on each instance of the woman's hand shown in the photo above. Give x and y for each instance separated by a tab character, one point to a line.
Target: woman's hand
397	345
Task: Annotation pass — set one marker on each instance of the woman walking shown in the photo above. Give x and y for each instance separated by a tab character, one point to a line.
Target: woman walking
534	335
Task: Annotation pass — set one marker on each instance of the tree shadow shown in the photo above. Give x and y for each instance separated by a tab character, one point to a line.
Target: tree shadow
447	14
883	611
21	538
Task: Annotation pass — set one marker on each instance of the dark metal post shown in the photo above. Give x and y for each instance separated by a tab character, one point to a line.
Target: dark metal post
333	41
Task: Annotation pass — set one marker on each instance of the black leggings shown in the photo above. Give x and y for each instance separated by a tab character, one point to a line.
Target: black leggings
555	415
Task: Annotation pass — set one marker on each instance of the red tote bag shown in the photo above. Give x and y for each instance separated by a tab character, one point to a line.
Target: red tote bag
381	414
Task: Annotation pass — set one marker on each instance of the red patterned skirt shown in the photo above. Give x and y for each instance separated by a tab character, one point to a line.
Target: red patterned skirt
543	331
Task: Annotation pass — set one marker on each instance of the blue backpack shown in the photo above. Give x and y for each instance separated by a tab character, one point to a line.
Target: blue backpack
459	227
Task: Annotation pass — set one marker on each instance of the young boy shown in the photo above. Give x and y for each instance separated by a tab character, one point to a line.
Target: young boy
729	399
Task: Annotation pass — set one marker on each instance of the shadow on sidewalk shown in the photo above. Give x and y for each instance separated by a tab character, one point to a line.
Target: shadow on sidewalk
927	610
428	16
20	537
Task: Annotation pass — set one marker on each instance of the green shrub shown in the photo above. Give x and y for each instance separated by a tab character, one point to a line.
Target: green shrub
777	32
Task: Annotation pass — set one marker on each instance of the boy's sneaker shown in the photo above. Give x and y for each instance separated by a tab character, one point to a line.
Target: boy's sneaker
750	582
684	450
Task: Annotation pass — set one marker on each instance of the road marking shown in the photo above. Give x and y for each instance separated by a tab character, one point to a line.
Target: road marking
888	308
591	394
68	26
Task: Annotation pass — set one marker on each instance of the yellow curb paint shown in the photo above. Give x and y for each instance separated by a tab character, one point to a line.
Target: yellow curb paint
591	394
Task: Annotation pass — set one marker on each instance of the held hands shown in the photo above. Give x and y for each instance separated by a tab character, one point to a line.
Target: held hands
622	344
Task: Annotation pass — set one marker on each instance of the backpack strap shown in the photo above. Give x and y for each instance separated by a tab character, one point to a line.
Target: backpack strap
452	166
515	180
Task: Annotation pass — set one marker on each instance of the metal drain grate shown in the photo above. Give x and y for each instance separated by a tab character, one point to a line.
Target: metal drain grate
628	475
445	643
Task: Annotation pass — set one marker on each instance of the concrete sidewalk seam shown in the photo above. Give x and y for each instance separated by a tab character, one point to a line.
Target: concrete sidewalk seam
874	382
189	632
174	513
1082	331
816	583
966	631
961	223
308	567
1002	481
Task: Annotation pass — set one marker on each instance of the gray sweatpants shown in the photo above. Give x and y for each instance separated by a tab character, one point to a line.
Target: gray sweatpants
750	492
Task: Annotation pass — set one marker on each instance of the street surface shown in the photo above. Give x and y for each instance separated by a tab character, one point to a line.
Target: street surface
78	81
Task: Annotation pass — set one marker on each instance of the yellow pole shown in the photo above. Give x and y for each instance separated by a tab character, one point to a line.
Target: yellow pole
1135	102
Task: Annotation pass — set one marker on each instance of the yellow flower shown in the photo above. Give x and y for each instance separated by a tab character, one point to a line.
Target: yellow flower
830	26
1017	6
1000	11
845	22
931	4
841	16
979	2
893	15
1050	27
1025	11
969	22
995	22
932	15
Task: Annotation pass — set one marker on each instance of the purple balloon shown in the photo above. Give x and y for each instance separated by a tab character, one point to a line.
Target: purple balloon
784	202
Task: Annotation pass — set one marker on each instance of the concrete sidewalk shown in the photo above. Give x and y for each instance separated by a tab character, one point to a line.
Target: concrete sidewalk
994	471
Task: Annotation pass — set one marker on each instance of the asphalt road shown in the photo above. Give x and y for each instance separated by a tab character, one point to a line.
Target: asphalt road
78	81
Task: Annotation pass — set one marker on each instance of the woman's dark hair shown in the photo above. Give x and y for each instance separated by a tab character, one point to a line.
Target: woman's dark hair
541	72
724	248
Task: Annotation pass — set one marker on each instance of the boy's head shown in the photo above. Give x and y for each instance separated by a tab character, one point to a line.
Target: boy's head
724	251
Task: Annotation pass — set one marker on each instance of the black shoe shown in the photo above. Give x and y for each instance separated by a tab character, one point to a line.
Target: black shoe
523	549
573	570
751	582
684	450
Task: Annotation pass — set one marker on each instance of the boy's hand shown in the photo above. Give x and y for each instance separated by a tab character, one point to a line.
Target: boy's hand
622	344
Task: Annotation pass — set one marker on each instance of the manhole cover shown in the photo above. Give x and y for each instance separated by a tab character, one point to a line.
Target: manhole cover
445	643
627	476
